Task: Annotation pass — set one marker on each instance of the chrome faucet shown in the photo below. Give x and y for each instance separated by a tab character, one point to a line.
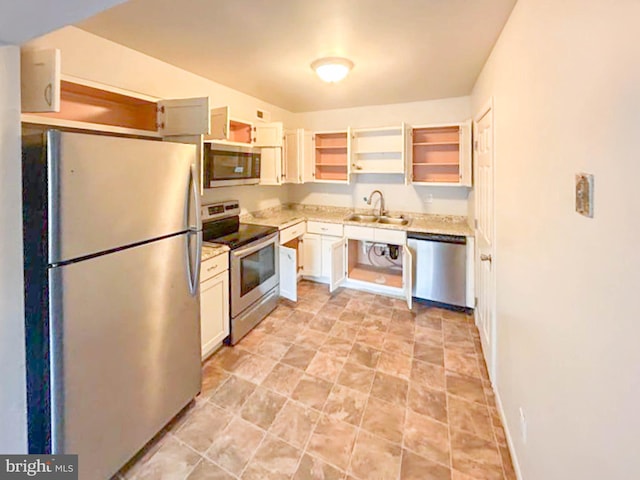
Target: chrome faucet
381	211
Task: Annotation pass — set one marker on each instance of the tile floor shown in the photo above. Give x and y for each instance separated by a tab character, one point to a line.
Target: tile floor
344	386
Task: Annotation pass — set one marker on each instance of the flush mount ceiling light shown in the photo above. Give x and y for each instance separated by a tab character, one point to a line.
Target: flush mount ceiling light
332	69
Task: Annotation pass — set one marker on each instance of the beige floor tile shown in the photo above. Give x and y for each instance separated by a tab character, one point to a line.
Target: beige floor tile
332	440
364	355
337	347
344	331
311	339
415	467
370	338
397	365
206	470
357	377
390	389
283	379
396	344
507	464
426	437
274	460
428	321
462	363
378	310
475	456
384	419
465	387
229	358
375	323
294	423
300	317
428	335
345	404
234	447
325	366
202	425
357	305
470	417
432	376
403	316
273	347
321	324
312	468
312	391
255	368
331	311
429	352
405	330
212	377
172	462
298	357
262	407
428	401
374	458
233	393
352	318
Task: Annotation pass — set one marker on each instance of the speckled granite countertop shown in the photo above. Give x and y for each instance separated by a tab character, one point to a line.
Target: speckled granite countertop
210	250
287	215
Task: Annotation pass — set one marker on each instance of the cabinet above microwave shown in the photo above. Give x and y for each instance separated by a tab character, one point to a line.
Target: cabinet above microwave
227	164
225	129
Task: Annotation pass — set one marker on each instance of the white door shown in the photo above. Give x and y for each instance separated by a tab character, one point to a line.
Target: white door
308	158
291	169
184	116
214	312
407	274
40	80
219	124
312	254
288	273
338	258
267	135
271	166
485	268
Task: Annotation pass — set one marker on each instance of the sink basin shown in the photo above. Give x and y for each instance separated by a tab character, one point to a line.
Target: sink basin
356	217
393	220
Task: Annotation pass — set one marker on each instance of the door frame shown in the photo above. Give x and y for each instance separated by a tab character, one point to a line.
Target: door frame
490	353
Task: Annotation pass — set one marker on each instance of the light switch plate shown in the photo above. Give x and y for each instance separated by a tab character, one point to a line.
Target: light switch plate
584	194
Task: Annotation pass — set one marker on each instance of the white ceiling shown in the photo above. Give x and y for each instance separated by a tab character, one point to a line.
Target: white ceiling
26	19
403	50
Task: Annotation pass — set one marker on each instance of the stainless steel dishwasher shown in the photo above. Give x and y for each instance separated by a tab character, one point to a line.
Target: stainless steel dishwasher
439	267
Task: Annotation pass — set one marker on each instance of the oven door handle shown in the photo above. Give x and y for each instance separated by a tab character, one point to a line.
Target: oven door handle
263	242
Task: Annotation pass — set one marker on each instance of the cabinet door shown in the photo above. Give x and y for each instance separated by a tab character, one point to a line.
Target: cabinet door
312	248
185	116
338	258
288	273
408	154
326	244
219	119
271	166
40	80
214	312
308	159
291	154
407	274
465	154
267	135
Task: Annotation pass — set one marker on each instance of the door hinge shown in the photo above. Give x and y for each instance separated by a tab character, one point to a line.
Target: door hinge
475	145
475	223
475	302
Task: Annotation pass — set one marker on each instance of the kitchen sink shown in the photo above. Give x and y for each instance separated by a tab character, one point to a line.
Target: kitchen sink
385	219
358	217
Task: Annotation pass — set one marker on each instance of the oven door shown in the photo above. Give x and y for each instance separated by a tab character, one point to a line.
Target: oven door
231	165
254	272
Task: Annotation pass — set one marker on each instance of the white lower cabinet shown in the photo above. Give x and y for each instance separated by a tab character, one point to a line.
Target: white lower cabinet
312	254
214	312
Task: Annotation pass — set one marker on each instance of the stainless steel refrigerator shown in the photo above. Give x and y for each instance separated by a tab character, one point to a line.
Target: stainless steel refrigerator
112	252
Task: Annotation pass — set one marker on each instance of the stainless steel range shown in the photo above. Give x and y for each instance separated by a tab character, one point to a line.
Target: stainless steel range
253	258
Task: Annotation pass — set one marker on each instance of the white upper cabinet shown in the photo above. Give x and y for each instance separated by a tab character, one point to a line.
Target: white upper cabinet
185	116
219	124
271	166
378	150
331	156
40	80
298	162
441	155
268	134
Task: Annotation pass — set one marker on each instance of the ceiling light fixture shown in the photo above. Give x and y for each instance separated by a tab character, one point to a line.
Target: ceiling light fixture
332	69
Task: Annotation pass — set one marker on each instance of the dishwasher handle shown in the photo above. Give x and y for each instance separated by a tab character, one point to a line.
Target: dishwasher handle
438	237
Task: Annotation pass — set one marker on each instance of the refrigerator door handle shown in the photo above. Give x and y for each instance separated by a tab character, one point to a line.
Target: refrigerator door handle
193	273
193	185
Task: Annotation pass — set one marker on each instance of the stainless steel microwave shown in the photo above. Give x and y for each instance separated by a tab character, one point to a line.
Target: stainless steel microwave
226	165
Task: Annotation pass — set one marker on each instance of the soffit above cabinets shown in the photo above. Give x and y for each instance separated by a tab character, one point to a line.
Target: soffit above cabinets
403	50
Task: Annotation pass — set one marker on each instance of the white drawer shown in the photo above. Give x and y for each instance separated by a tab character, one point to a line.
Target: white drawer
359	233
396	237
294	231
333	229
213	266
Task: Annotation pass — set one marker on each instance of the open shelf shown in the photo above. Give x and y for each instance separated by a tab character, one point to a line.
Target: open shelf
331	156
239	132
376	275
436	155
378	150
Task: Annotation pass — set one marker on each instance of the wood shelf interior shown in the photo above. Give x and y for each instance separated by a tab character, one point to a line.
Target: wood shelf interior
91	105
331	156
239	131
360	268
436	155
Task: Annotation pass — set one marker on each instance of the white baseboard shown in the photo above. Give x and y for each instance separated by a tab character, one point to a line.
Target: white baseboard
507	432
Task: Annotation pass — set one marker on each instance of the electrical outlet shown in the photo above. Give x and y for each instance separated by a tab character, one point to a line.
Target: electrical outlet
523	426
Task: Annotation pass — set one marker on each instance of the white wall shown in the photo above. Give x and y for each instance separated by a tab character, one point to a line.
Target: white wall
565	77
442	200
94	58
13	430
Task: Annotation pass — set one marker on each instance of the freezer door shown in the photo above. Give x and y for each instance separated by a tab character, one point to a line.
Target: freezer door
125	351
109	192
